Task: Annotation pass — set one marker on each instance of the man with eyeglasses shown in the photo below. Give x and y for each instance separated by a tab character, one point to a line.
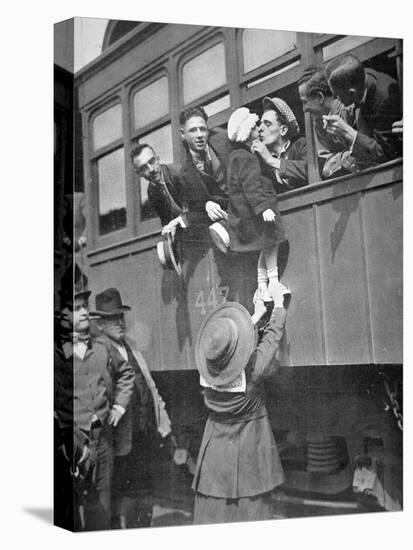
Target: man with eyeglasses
164	190
137	430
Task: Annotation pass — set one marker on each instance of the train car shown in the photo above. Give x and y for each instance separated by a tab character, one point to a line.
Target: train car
341	374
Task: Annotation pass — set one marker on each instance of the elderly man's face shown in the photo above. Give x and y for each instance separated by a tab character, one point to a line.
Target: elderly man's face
76	316
147	165
113	326
195	133
270	130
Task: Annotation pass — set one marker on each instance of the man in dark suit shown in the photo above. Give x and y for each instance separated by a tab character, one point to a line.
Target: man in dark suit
91	393
136	438
204	171
375	99
164	190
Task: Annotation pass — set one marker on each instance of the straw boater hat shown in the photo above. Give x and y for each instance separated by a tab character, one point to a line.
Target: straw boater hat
168	255
224	344
109	303
280	106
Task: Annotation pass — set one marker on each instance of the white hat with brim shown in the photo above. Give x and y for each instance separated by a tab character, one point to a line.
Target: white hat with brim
224	344
167	255
220	236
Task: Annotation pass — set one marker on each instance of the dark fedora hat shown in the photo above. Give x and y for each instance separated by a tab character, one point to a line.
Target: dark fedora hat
168	254
73	284
109	303
224	344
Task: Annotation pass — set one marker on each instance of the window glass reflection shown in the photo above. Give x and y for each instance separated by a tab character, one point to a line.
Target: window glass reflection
111	191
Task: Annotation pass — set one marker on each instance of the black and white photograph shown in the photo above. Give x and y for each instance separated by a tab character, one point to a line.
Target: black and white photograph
206	275
228	274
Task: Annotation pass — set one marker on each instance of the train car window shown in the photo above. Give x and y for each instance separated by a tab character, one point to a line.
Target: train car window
161	141
204	73
218	105
111	191
145	109
107	126
262	46
343	45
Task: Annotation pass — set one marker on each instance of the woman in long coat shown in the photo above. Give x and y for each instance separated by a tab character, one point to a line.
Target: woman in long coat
238	463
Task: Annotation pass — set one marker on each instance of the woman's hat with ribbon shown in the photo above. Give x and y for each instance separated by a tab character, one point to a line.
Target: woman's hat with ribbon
224	344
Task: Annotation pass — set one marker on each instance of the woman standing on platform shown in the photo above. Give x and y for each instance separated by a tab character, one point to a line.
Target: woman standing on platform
238	463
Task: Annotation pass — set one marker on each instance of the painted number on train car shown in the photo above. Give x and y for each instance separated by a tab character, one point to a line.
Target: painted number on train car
216	296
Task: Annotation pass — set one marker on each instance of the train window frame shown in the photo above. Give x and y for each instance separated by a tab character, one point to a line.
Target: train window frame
170	64
274	83
280	60
118	235
151	225
217	37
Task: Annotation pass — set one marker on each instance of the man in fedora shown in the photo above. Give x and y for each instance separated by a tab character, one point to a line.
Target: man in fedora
92	390
238	463
280	146
146	415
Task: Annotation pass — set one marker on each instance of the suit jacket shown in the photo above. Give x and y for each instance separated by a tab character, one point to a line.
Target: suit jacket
166	209
250	194
373	120
238	456
199	188
88	387
123	432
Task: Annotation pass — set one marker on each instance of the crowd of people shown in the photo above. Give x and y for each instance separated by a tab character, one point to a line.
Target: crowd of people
108	411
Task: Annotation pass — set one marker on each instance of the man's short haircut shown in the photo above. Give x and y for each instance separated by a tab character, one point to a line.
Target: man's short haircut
186	114
346	72
136	151
315	79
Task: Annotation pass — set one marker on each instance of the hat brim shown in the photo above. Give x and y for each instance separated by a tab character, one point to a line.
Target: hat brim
117	311
244	347
167	255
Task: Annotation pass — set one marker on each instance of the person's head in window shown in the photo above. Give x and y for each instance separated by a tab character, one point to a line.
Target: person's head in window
194	128
315	92
146	163
347	79
278	124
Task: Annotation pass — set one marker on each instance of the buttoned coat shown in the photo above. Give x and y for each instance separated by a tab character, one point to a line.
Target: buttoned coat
112	381
238	456
250	194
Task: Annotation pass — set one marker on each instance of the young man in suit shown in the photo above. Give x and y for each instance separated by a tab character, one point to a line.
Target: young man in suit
91	393
204	170
375	99
164	190
146	416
